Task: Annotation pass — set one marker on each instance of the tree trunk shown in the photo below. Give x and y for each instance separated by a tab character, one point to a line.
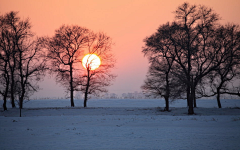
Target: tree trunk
12	90
71	86
20	112
21	102
218	98
21	98
195	103
188	94
12	71
5	103
194	99
85	97
85	100
190	108
167	92
167	104
87	87
191	96
6	88
23	83
5	96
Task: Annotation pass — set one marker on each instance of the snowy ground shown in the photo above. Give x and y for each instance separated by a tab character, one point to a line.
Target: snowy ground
120	124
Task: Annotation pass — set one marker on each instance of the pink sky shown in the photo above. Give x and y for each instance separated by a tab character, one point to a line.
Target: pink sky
128	22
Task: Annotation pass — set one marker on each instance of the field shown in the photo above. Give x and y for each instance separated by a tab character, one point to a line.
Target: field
120	124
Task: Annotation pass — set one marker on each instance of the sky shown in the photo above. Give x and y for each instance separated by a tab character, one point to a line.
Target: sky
127	22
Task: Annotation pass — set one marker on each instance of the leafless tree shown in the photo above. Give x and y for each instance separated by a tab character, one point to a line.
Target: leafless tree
161	80
65	50
94	81
197	46
193	45
13	32
32	66
228	39
5	46
23	59
4	77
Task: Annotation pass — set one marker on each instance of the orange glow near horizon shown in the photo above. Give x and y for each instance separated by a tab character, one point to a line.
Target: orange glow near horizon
91	61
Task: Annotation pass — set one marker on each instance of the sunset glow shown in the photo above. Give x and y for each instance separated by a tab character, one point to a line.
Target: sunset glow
128	23
91	61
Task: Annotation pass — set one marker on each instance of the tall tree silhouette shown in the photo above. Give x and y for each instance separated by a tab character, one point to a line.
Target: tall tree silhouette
65	49
4	76
32	66
192	43
228	39
161	81
13	31
24	61
95	81
5	48
196	51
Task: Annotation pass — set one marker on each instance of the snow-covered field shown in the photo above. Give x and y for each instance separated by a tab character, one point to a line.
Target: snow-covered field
120	124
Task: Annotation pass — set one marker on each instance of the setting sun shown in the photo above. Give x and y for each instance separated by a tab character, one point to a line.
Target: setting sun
91	61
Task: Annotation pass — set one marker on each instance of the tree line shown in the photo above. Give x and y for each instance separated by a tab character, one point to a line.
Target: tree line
192	57
25	59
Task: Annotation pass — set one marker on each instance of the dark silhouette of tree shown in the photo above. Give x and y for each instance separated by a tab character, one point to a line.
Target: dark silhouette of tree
24	63
31	68
13	32
196	52
161	81
65	49
228	39
5	48
95	81
193	44
4	77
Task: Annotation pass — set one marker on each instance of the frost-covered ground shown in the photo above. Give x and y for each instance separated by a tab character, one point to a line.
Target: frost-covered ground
120	124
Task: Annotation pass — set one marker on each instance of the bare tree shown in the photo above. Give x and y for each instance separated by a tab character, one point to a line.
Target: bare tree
94	81
228	39
32	66
161	80
65	49
4	78
13	32
5	46
193	44
23	59
197	26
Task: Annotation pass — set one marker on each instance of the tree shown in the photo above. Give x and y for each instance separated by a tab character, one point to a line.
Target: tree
193	45
228	37
5	46
94	81
24	63
12	31
161	81
4	78
198	25
32	66
65	49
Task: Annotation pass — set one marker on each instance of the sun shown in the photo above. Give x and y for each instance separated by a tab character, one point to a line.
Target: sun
91	61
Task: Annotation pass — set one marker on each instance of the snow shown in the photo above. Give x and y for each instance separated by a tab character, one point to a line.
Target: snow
120	124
